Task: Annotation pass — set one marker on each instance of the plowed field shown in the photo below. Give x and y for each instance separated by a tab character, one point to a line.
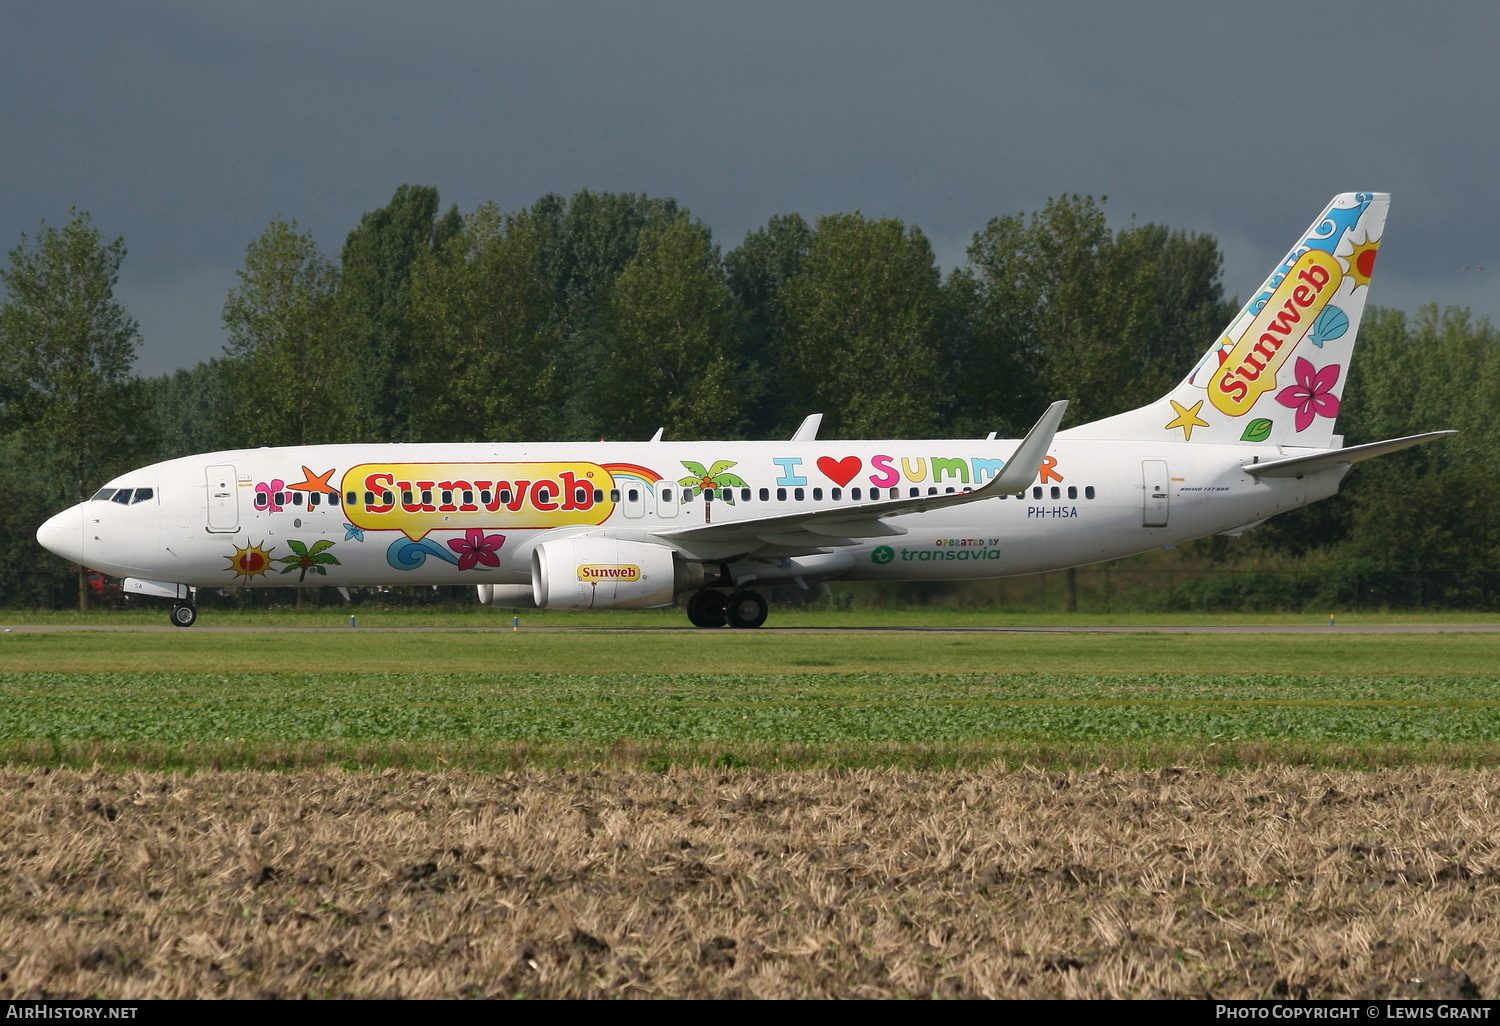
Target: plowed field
697	882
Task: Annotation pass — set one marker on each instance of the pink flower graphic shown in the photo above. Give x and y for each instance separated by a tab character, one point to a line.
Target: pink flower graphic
476	547
1312	395
265	495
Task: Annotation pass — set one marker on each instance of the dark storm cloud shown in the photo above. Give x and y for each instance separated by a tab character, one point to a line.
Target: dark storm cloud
186	127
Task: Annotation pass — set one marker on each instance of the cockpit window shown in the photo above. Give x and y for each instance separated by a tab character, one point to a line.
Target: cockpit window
142	495
103	494
123	496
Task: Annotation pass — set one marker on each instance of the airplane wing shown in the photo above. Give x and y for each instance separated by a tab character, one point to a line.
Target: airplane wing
817	530
1300	466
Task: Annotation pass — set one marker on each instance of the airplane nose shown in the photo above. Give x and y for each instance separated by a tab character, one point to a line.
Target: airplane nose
63	535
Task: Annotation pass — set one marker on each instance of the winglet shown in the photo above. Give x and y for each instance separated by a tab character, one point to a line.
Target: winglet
808	432
1026	462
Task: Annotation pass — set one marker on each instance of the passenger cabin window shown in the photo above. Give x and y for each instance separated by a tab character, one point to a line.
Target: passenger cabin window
333	498
1056	492
296	498
313	498
744	495
765	495
614	495
666	495
817	495
1072	491
781	495
837	494
799	494
352	498
103	494
854	494
505	496
598	495
1088	493
484	496
1036	493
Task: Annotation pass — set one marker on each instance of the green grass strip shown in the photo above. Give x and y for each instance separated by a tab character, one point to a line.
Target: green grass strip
778	709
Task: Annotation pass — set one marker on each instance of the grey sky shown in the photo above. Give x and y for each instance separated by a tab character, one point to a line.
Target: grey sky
185	127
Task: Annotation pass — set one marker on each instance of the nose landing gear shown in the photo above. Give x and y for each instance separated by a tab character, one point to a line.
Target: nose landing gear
184	614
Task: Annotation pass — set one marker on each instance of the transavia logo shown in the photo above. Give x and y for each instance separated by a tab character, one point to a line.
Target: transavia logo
882	555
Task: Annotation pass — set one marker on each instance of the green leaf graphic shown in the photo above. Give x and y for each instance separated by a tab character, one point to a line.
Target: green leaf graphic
1258	430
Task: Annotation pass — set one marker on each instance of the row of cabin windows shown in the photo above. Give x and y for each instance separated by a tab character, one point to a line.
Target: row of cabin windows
581	495
1037	492
124	496
313	500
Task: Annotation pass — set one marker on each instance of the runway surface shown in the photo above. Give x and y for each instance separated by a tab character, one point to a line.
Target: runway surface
1323	629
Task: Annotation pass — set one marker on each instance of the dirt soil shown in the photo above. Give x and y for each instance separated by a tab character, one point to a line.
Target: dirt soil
1259	883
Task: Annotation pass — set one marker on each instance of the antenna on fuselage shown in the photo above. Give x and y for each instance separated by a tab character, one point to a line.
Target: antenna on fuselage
657	437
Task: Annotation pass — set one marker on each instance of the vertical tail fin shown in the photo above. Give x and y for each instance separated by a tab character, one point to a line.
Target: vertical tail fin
1276	374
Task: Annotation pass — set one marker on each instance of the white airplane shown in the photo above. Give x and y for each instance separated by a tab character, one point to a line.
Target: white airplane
610	525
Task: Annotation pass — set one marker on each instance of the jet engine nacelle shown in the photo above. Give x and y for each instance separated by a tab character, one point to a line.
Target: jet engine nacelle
606	573
507	596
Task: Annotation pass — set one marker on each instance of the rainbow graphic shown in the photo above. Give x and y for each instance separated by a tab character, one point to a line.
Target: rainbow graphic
645	475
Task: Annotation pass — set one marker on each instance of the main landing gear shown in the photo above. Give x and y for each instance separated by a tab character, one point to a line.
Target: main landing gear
744	609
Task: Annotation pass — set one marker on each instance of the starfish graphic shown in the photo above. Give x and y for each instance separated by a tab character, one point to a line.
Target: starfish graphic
1187	418
315	482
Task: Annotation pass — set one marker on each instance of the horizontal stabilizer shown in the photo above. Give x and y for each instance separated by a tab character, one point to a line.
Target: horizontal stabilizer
1300	466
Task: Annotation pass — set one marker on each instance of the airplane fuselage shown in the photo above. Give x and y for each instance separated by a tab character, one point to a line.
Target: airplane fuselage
426	514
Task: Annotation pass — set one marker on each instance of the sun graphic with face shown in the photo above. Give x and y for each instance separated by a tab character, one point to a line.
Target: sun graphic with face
249	561
1362	262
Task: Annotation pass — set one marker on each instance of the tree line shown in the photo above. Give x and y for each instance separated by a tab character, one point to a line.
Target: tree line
609	315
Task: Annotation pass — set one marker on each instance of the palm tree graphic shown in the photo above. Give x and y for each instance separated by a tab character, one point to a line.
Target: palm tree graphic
712	479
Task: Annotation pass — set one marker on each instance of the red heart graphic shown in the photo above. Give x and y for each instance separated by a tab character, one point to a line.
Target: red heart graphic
840	472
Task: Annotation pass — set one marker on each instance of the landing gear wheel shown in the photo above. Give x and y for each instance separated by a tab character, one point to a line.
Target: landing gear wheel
183	616
706	609
746	609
